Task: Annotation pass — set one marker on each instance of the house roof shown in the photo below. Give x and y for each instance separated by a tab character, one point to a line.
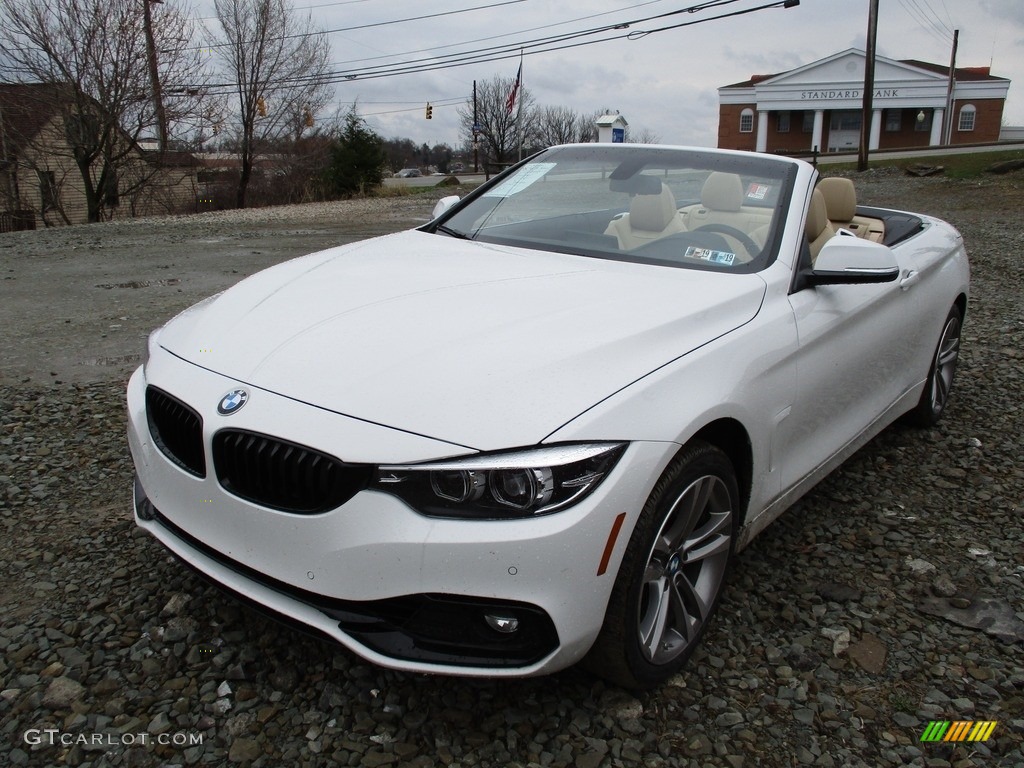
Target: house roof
25	108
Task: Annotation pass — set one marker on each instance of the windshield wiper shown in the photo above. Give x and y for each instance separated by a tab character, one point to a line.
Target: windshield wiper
452	232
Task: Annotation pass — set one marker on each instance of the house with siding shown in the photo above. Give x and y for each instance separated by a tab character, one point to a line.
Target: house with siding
41	184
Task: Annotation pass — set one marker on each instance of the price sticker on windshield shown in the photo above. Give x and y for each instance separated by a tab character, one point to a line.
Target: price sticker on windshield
758	191
524	178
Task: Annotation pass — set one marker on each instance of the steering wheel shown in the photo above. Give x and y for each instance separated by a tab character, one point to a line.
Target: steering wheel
737	234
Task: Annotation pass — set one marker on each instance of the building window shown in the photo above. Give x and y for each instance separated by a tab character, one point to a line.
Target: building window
808	126
747	121
923	121
845	120
48	190
893	119
782	121
967	113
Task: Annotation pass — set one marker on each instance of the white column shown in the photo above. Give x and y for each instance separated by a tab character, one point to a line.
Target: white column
762	131
876	128
819	124
938	118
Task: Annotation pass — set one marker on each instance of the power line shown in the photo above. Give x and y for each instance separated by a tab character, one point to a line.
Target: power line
499	52
917	15
504	34
529	48
938	23
304	7
367	26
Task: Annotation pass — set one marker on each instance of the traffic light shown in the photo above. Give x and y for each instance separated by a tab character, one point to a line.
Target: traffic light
430	111
261	107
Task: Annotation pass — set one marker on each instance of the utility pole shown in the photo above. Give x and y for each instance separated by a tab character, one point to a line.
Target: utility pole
476	152
154	75
869	86
947	128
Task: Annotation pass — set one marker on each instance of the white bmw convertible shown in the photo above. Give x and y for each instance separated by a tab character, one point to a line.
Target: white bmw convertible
536	430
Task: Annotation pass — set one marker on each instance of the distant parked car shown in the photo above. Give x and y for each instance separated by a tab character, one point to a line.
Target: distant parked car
538	427
408	173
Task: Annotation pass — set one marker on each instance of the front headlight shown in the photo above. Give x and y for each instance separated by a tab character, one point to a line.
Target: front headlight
524	483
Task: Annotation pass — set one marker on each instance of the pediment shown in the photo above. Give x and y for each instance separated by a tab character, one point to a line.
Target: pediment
848	67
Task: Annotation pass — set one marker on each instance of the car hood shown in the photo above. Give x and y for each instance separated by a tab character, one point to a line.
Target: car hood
486	346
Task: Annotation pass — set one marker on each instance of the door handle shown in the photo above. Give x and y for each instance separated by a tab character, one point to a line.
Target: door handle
911	278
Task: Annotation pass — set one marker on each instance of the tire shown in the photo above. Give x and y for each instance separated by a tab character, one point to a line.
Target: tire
935	397
670	580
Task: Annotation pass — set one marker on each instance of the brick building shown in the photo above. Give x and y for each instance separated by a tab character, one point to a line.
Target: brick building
819	105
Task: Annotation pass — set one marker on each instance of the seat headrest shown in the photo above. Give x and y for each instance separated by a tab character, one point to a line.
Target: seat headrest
722	192
653	212
817	216
840	198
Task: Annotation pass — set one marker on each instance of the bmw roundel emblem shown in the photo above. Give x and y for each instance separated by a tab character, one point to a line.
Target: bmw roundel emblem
232	402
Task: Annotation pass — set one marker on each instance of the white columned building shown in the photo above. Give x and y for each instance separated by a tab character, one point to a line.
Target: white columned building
819	105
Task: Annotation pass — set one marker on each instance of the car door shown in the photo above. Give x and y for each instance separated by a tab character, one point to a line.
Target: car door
855	341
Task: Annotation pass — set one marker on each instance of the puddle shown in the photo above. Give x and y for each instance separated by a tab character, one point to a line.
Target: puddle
140	283
118	360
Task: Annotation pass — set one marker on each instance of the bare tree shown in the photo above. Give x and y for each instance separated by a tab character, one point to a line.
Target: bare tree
642	136
499	127
278	65
85	61
562	125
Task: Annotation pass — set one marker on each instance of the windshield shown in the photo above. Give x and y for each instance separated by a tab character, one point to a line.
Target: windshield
681	208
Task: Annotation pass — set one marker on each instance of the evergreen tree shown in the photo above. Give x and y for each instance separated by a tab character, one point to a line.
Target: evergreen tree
357	159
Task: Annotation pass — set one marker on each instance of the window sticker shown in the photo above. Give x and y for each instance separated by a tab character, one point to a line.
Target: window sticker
525	177
758	191
706	254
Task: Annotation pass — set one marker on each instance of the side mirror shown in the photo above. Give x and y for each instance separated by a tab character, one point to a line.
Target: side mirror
847	259
442	205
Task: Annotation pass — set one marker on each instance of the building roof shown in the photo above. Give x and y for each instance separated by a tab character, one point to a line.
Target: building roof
25	109
963	74
609	120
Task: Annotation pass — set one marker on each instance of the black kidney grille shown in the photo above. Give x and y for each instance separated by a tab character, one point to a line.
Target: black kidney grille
177	431
284	476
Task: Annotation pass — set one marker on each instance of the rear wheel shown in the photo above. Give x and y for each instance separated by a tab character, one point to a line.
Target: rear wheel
940	375
672	572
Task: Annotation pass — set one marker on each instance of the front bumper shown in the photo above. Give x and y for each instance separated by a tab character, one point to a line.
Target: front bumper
397	588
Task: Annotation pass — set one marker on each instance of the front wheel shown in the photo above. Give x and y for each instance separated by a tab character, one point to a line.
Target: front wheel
672	572
932	404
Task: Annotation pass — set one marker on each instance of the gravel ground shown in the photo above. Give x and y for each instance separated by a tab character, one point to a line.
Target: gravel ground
846	627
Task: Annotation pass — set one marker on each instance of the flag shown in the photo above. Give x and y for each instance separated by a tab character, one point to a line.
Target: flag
510	102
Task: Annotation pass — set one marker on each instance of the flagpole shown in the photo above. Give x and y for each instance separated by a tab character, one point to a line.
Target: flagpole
519	114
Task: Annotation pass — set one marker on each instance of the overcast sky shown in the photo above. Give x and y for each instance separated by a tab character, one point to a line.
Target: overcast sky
664	82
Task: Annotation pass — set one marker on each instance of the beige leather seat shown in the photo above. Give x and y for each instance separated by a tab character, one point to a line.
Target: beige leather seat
722	192
841	206
818	229
721	202
651	217
840	200
721	205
